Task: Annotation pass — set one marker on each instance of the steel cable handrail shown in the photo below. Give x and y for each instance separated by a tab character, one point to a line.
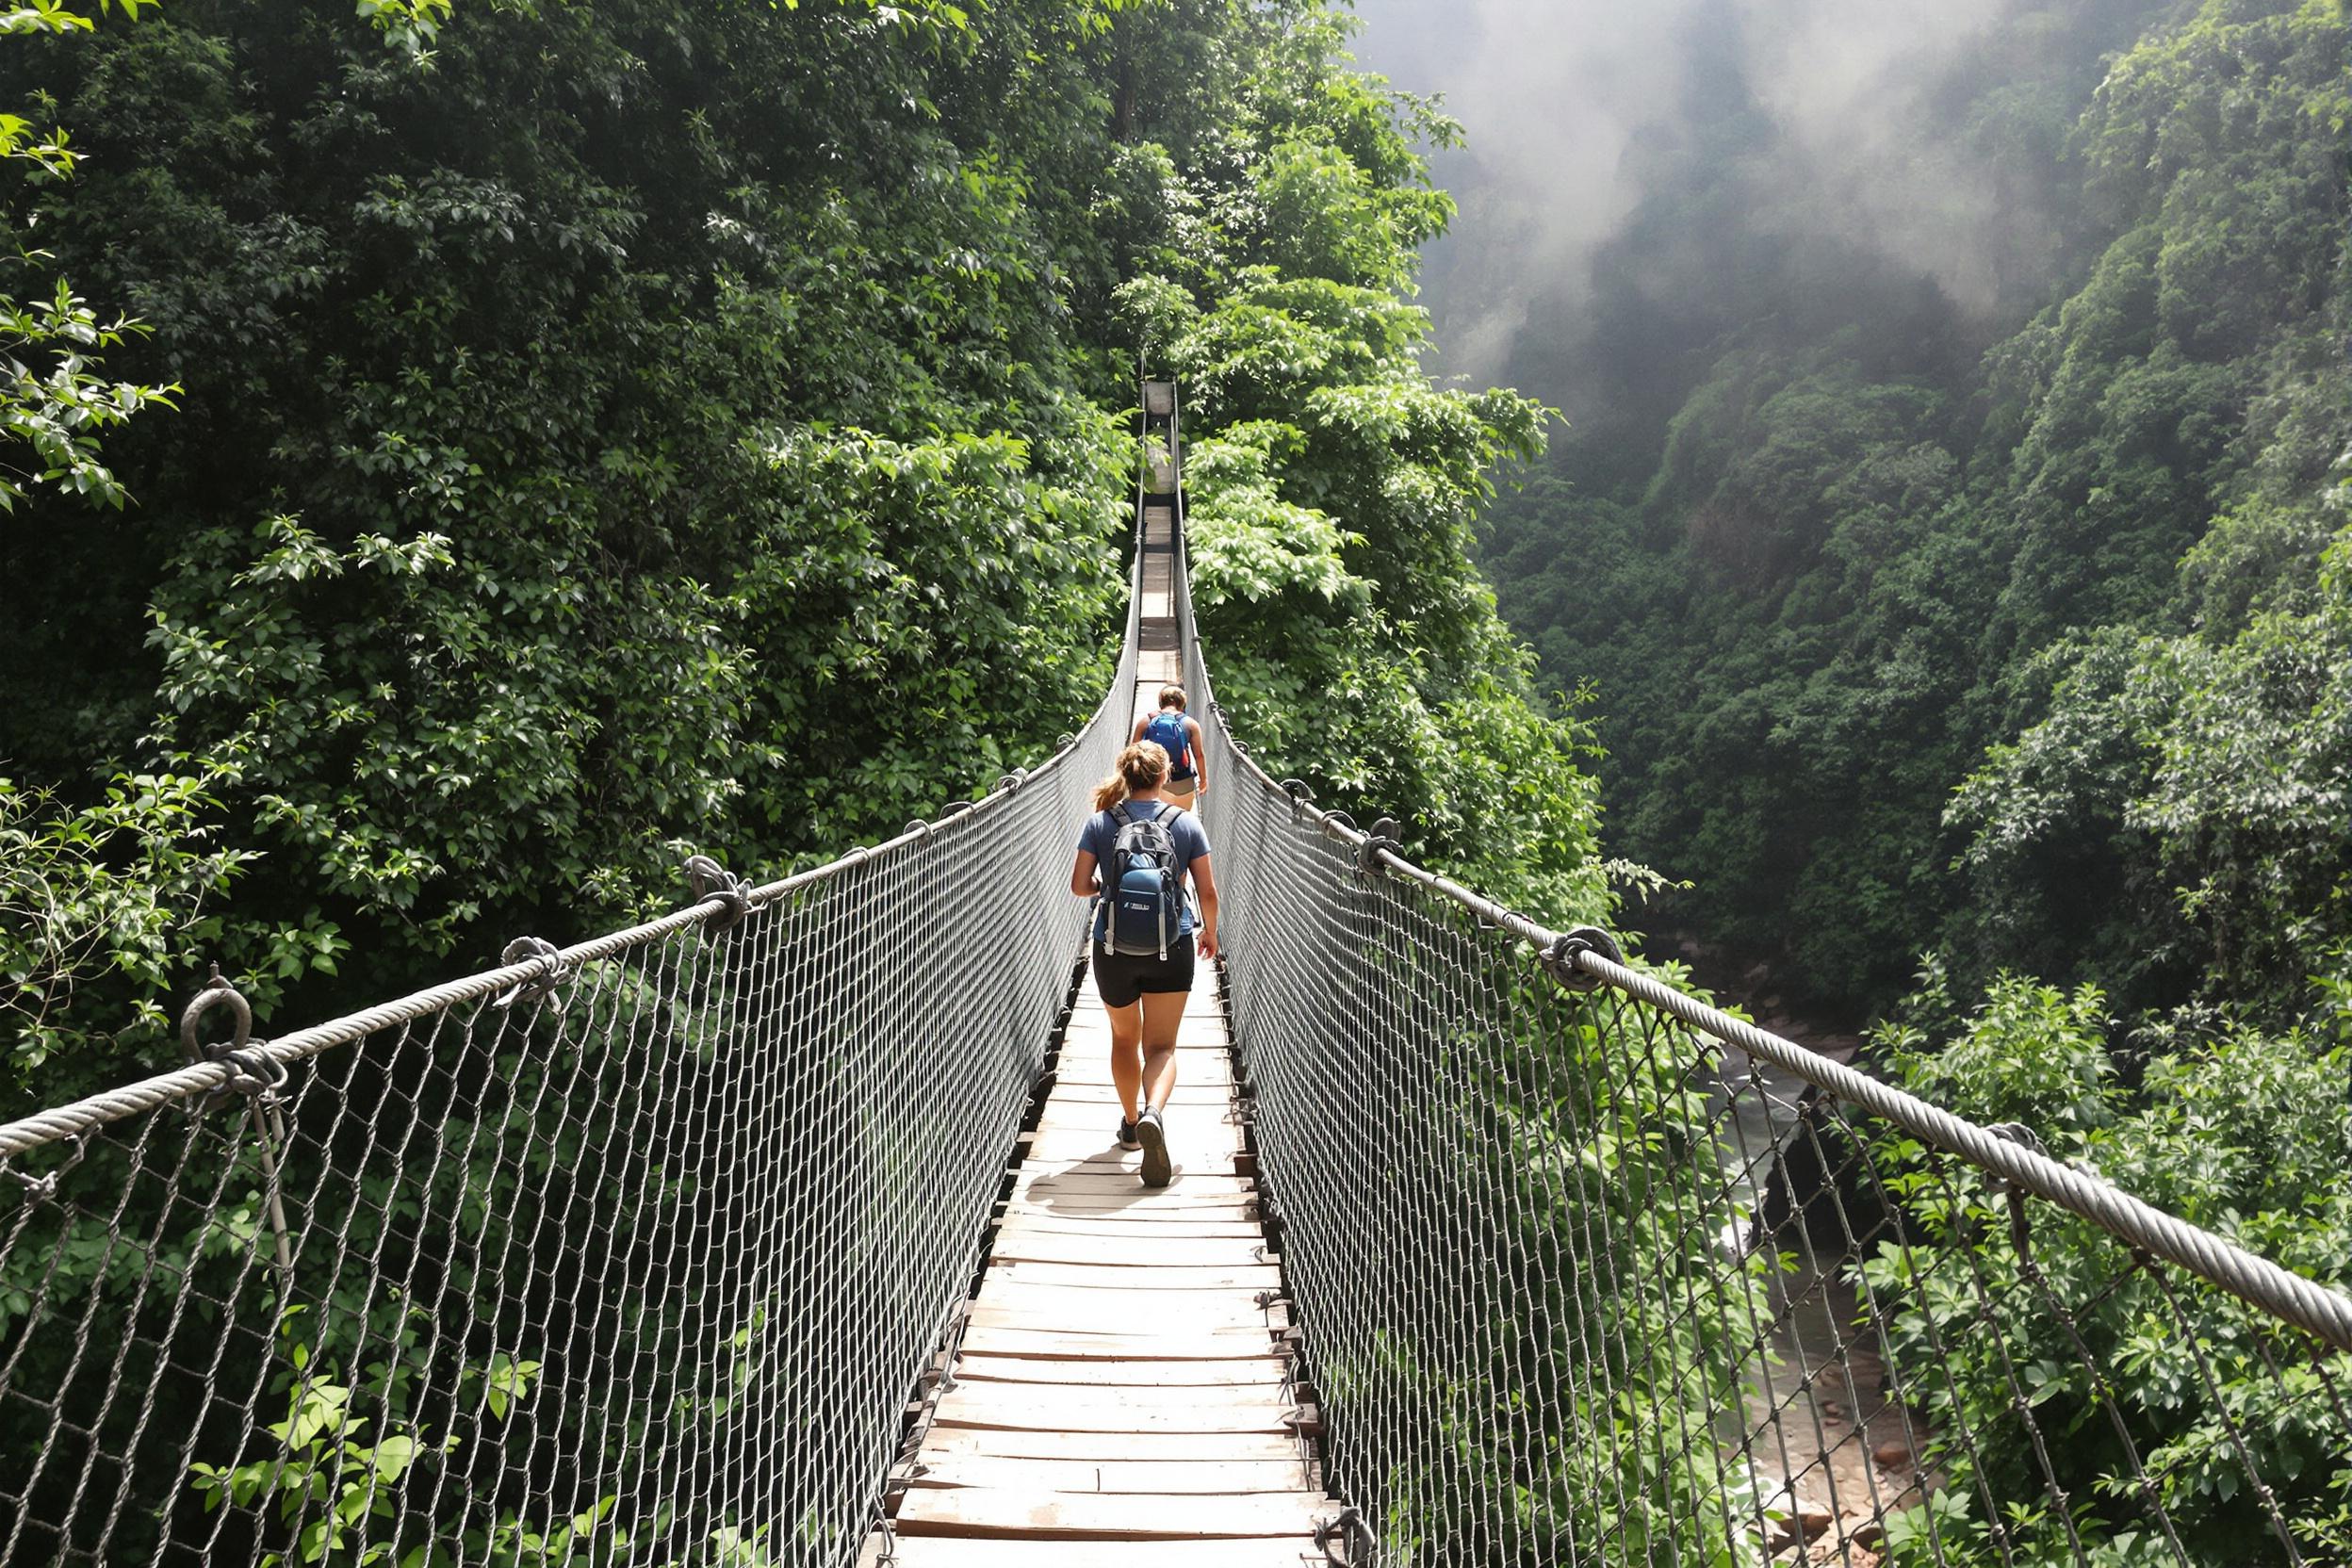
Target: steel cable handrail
1590	1270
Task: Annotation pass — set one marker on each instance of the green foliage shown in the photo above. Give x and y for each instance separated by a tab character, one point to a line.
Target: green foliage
1868	534
2242	1133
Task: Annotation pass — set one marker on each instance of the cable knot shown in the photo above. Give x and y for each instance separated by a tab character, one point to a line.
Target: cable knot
1383	836
2021	1220
554	972
707	881
1559	958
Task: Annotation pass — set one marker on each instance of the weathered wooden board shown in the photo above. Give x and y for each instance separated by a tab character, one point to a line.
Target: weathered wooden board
1128	1516
1118	1398
1127	1225
1006	1305
1026	1407
1052	1179
1245	1277
1022	1443
1110	1344
1265	1372
966	1552
1176	1477
1106	1248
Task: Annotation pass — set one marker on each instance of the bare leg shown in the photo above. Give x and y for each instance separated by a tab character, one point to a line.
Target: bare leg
1161	1012
1126	1059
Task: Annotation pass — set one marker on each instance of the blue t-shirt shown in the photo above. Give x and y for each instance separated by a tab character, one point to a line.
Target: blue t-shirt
1102	833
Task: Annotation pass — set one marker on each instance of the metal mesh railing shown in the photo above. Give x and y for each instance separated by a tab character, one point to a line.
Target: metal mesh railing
630	1252
1591	1273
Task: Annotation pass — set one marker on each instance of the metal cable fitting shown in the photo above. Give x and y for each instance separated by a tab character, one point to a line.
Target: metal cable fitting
1347	1527
548	986
1383	836
1559	959
1301	797
952	807
707	881
917	825
1012	780
252	1071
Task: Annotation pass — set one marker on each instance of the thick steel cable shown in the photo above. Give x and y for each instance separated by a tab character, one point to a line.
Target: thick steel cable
1355	974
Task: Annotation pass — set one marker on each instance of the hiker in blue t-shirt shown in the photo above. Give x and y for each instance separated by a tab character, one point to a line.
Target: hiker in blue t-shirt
1179	736
1144	938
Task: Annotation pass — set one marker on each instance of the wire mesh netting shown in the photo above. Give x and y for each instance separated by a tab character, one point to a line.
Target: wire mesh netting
640	1269
1583	1284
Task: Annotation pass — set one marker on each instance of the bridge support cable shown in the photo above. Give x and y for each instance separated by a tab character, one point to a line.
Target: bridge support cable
626	1252
1589	1272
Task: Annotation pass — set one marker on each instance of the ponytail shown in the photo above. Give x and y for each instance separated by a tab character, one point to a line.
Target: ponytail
1141	766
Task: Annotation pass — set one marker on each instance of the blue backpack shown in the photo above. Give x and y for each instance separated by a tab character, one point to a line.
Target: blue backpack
1143	885
1168	729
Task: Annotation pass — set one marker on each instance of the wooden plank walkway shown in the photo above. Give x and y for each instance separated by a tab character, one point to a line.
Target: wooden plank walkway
1120	1398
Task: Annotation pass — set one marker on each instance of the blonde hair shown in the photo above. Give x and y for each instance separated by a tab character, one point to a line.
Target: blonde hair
1172	696
1141	766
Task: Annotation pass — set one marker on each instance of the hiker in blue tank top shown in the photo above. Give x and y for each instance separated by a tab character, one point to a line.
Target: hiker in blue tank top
1145	935
1179	736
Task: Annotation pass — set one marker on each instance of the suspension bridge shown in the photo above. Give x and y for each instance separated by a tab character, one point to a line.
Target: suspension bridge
789	1228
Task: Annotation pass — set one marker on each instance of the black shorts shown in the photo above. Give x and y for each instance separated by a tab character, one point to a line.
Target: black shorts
1124	977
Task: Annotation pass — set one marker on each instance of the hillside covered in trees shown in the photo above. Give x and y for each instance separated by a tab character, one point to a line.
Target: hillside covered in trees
600	430
1990	603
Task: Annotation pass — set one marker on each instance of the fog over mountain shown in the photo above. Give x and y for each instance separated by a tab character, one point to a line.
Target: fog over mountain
1859	122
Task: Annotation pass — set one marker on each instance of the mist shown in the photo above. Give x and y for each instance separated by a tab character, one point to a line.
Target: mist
1846	126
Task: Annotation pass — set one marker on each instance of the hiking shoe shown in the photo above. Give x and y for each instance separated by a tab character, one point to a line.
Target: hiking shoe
1156	1171
1127	1138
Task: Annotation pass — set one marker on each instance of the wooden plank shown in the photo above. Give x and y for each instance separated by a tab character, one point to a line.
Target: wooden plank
1127	1225
1011	1304
1108	1247
1179	1477
1114	1399
1113	1516
1049	1180
1113	1215
1022	1407
1078	1345
1098	1151
966	1552
1265	1372
1127	1279
1022	1443
1076	1097
1088	1119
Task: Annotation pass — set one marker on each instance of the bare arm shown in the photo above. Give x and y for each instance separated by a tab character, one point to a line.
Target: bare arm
1200	760
1082	874
1204	880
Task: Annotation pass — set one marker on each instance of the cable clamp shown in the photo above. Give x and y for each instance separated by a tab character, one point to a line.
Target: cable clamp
1346	1527
1383	836
44	1187
1012	780
1560	958
1301	797
917	825
252	1071
707	881
954	806
554	973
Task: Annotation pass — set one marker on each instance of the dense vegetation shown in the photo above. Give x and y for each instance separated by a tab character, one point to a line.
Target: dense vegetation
2013	630
1829	535
604	429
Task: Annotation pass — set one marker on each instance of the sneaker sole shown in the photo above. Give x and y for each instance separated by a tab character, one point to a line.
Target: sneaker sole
1156	1171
